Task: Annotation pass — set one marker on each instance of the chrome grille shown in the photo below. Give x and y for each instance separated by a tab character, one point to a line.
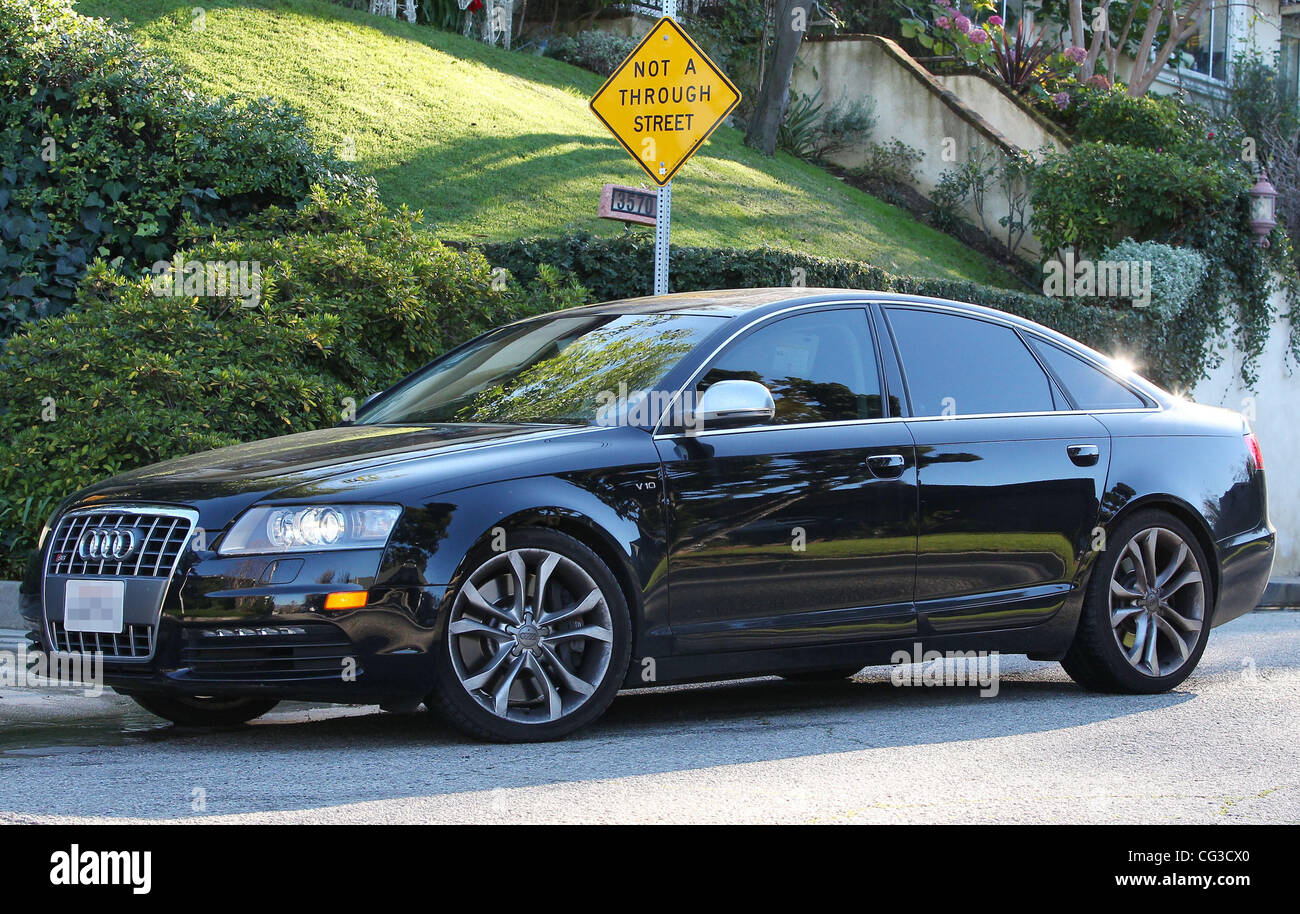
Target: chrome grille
136	643
159	539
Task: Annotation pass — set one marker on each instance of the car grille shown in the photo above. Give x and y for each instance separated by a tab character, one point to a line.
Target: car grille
136	643
159	538
301	651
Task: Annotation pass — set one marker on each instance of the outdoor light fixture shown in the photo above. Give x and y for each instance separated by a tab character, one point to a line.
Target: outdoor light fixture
1263	205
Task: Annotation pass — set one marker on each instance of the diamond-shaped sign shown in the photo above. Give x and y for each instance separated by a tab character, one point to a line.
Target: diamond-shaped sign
664	100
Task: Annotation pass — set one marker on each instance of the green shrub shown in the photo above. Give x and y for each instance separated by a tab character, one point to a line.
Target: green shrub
351	299
594	50
893	163
1176	273
1113	116
104	151
1094	194
620	267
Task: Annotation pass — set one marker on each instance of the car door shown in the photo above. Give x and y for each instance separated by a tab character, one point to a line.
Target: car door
801	530
1010	476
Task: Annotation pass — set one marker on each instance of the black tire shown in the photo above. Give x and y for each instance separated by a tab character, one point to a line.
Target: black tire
821	675
465	708
1096	660
186	711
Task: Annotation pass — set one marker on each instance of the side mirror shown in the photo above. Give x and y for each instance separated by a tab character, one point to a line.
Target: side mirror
732	404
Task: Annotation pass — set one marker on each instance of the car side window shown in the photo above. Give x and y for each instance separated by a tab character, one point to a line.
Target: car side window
820	366
1090	387
962	366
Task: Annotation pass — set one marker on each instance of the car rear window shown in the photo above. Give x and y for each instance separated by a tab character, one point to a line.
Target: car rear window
1090	387
962	366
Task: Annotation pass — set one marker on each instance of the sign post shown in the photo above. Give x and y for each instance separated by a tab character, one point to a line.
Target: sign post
664	211
661	104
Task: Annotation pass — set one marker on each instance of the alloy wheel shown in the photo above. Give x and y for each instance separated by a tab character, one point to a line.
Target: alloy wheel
531	636
1157	601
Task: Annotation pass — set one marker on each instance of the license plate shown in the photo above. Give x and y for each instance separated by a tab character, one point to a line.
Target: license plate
93	606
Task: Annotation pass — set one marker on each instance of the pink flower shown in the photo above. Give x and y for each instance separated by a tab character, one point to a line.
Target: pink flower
995	21
1062	100
943	22
1076	55
946	4
962	24
977	36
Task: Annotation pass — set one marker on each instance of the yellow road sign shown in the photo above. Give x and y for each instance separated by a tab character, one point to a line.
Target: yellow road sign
664	100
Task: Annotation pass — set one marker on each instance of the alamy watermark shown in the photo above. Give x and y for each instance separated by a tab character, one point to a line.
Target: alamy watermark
946	668
1068	278
240	279
24	669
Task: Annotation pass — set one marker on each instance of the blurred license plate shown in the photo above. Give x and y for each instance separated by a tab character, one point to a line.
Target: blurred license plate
93	606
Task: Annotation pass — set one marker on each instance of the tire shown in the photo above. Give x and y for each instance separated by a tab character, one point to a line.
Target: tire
821	675
509	667
1121	609
185	711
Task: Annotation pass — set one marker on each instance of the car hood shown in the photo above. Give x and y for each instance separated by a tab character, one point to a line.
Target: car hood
243	473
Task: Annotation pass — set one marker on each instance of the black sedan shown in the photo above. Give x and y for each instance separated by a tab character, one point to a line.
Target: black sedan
691	487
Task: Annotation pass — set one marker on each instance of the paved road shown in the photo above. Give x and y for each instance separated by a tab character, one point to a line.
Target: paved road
1223	748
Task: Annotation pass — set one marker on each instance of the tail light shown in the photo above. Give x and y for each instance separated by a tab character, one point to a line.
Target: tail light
1256	456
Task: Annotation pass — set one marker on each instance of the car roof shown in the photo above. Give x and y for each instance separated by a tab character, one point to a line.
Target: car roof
754	303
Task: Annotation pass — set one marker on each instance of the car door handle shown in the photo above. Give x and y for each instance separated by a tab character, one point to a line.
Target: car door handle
886	466
1084	455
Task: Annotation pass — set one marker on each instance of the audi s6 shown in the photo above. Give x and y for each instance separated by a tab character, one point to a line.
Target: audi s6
691	487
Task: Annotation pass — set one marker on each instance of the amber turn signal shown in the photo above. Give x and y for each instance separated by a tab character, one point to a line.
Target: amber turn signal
348	599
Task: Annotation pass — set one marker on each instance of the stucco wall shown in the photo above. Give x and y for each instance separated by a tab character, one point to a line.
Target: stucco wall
920	110
1271	402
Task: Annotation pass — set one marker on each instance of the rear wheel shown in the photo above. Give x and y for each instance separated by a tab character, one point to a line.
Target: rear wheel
537	641
188	711
1146	618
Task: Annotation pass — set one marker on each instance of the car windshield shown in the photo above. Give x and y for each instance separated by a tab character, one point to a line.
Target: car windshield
563	369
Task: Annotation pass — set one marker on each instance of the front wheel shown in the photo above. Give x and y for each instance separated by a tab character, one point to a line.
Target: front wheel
187	711
536	643
1146	617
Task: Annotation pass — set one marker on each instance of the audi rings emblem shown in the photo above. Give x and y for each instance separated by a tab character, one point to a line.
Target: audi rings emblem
103	543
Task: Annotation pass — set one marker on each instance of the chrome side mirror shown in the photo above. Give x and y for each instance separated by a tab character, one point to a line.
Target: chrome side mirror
732	404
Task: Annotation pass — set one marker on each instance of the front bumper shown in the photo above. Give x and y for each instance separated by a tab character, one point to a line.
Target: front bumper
256	625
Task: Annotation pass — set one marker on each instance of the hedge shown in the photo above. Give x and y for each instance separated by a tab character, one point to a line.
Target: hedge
1174	355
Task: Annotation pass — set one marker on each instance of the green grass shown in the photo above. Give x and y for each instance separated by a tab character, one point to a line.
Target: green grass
492	145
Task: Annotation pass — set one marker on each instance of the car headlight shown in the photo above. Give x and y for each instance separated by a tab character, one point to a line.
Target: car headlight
310	528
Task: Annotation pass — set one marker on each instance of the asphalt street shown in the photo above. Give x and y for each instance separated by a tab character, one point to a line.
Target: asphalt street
1222	748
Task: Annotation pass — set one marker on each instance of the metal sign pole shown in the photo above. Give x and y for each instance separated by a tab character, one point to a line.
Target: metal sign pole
664	212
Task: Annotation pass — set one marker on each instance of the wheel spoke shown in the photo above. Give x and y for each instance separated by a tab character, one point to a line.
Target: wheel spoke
1190	576
1150	656
521	581
569	680
470	627
555	706
1139	564
1164	576
1139	639
1119	590
483	677
1119	616
590	632
572	611
543	578
1191	626
501	697
1171	634
479	602
1149	556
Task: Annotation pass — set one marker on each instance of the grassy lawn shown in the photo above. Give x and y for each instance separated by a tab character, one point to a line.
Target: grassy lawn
492	145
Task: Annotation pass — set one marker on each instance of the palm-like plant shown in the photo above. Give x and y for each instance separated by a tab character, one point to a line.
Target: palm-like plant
1017	59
